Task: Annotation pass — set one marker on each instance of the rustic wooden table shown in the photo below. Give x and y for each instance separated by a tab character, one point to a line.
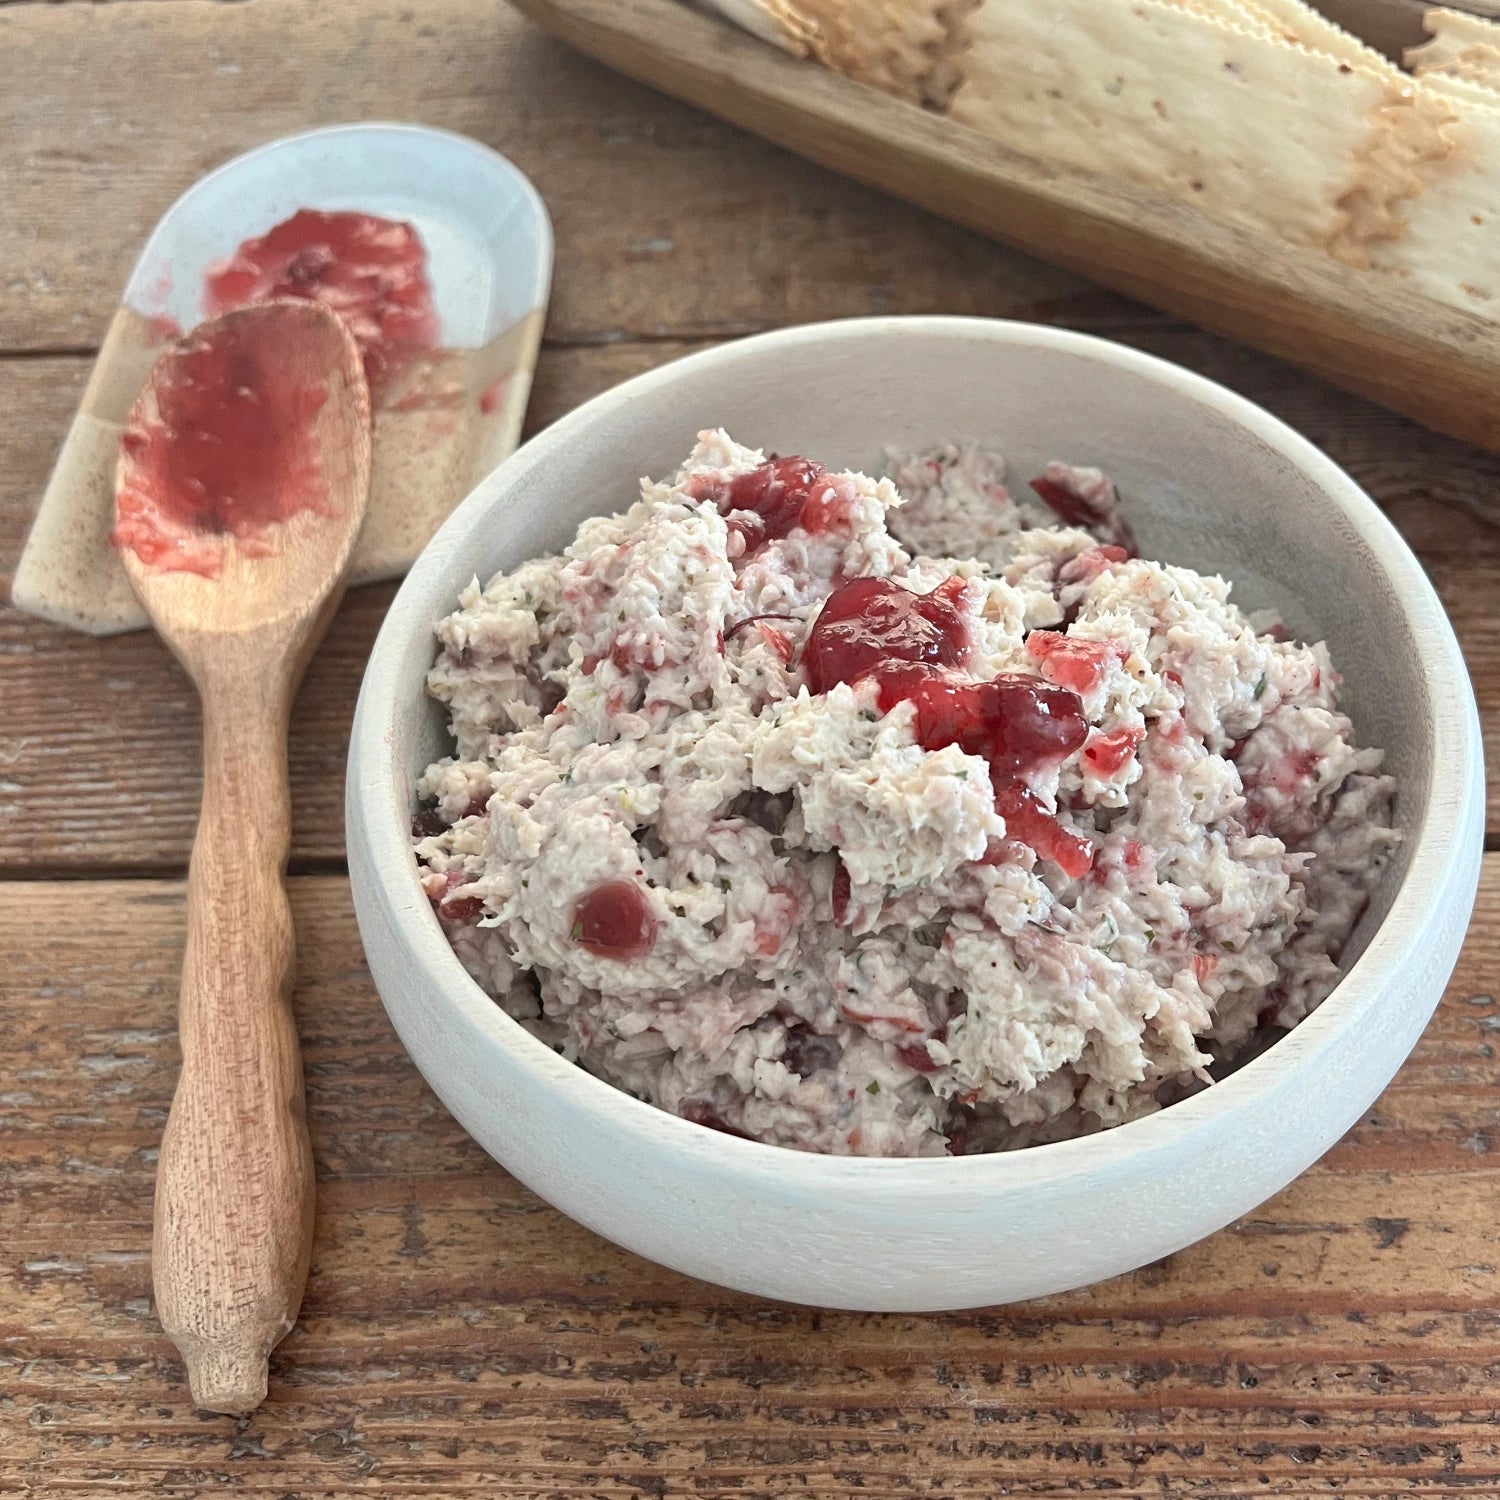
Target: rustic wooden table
458	1336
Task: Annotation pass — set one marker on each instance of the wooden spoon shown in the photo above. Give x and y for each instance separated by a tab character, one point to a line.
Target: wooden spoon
234	1187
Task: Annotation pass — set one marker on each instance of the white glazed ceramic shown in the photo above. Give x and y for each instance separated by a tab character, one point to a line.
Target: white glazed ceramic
1210	481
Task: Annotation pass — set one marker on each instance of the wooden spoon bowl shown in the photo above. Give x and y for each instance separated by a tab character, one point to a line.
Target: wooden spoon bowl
234	1188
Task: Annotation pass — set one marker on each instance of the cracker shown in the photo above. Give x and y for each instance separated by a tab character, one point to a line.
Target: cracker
905	47
922	42
1450	250
946	73
1295	22
1234	120
1452	33
1480	66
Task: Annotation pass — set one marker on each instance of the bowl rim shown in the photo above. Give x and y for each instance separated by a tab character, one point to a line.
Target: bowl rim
1449	823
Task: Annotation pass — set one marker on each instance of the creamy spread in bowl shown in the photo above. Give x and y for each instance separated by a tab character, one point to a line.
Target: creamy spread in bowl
905	816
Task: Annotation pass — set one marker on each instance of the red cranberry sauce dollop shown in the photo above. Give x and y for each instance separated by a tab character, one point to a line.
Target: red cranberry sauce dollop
873	627
614	921
781	495
906	642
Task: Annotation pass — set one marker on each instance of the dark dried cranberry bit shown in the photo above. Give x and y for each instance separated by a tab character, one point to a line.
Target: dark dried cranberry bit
1074	510
701	1112
477	806
808	1052
842	892
462	909
869	624
428	823
916	1057
614	920
1026	819
1064	504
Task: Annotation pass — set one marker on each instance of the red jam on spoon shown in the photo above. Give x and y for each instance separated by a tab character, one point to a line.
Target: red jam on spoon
231	451
371	271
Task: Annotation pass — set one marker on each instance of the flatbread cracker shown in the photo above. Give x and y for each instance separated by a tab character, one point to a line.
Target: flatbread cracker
1477	64
904	47
1480	66
1296	22
1453	33
1450	250
1252	130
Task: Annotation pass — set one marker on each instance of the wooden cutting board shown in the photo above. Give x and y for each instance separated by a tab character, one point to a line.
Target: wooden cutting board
1431	362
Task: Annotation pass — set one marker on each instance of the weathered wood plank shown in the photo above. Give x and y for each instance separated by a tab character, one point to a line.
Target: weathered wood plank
98	752
460	1336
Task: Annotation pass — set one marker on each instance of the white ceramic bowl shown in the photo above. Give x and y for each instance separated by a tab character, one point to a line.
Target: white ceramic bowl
1210	481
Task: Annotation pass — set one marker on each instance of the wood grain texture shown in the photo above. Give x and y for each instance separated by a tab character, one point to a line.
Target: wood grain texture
458	1337
234	1184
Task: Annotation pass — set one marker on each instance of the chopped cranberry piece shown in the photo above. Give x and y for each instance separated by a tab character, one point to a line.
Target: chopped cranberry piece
1107	753
841	894
826	510
777	492
463	909
428	823
1073	510
1065	505
869	623
915	1056
1071	661
477	806
874	1018
1027	820
614	921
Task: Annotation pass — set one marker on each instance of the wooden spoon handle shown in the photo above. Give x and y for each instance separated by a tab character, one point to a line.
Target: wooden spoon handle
234	1188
